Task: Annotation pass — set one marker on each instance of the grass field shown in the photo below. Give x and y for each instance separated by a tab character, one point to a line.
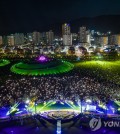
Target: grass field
109	70
4	62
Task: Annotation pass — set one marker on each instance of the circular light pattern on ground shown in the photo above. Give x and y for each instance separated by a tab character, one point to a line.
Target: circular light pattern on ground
38	67
54	109
62	115
4	62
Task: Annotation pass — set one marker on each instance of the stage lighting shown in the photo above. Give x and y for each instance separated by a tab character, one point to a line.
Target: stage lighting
88	101
27	101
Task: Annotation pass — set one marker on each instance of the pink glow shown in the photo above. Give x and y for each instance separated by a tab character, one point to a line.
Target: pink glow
42	58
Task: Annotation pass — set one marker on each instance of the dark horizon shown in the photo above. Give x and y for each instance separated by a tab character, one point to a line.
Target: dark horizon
102	23
42	15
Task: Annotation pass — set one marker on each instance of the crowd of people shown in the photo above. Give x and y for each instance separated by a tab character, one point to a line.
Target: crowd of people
69	86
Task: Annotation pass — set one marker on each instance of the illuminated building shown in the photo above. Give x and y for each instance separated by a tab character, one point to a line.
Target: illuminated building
88	37
117	39
66	34
11	41
74	38
114	39
1	40
82	35
58	40
50	37
97	41
19	38
104	40
66	29
36	37
101	41
67	40
43	38
29	37
5	40
111	40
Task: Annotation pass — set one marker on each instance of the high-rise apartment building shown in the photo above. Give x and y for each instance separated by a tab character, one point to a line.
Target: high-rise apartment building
88	37
117	39
50	37
19	38
111	40
36	37
66	29
104	40
66	34
114	39
11	41
82	35
101	41
1	40
43	38
74	38
29	37
5	40
67	40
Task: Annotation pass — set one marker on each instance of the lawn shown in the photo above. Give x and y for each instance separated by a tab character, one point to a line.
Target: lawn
109	70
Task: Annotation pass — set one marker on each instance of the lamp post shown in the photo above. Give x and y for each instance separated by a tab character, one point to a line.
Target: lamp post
106	110
81	100
35	107
27	102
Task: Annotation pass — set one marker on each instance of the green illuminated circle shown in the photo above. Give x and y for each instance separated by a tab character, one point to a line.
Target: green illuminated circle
36	69
4	62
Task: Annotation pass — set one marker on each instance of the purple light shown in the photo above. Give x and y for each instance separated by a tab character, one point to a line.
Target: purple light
42	58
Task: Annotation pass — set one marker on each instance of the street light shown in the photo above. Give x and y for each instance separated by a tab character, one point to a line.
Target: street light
27	101
35	106
88	101
81	100
27	105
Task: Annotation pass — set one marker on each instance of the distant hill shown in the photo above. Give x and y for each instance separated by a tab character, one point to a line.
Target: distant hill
102	23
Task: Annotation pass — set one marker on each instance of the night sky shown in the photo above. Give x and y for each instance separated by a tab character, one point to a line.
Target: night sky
28	15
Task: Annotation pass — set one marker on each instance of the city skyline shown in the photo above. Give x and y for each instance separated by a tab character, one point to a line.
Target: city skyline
68	38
